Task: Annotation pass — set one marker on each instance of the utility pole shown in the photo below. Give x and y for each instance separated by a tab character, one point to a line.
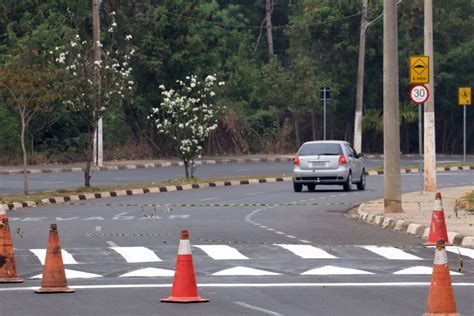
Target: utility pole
391	114
360	80
268	20
98	136
429	116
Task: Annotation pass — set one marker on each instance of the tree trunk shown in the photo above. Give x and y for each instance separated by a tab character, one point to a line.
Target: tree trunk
89	156
360	81
23	148
297	130
186	167
268	20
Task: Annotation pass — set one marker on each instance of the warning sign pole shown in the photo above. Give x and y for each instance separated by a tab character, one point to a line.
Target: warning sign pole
464	99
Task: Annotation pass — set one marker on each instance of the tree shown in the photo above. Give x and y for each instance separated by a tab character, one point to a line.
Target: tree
27	84
81	92
188	115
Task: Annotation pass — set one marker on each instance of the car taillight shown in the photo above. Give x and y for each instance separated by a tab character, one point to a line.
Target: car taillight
342	160
296	161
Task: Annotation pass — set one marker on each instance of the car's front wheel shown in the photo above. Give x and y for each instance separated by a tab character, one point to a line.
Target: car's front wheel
362	182
347	185
297	187
311	187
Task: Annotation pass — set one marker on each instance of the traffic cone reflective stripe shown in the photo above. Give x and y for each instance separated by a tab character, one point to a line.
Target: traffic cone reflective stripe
7	252
438	224
441	296
54	276
184	283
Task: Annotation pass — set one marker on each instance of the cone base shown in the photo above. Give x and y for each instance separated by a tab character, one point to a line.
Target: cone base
46	290
11	280
441	314
174	299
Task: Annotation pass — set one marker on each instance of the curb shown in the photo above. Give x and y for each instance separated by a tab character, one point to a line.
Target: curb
419	230
172	188
152	165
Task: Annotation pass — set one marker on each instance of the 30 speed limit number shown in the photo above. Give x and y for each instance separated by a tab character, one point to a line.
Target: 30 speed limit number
419	94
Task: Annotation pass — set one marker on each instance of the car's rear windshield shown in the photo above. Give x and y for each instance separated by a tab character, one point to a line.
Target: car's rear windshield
320	149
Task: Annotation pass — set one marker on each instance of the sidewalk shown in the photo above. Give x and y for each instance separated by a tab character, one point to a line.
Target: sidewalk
417	212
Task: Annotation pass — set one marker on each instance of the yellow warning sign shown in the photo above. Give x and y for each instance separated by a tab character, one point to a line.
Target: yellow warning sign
464	96
419	69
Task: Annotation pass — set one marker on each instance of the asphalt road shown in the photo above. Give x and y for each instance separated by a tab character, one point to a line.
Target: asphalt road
10	184
295	253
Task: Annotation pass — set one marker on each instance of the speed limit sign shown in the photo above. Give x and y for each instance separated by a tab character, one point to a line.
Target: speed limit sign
419	94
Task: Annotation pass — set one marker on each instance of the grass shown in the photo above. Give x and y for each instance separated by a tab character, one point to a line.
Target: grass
38	196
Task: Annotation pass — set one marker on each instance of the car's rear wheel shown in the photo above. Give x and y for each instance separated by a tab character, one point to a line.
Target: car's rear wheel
311	186
362	182
297	187
347	185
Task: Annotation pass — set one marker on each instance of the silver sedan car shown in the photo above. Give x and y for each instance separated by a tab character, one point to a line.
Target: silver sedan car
328	162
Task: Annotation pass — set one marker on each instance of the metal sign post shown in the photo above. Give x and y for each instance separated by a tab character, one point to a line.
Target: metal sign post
418	95
464	99
324	95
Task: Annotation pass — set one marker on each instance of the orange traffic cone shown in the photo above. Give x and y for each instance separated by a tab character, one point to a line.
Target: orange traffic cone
441	297
7	253
184	284
54	275
438	224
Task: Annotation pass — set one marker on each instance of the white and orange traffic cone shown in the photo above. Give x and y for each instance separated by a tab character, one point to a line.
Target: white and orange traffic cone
438	224
184	284
7	252
54	276
441	296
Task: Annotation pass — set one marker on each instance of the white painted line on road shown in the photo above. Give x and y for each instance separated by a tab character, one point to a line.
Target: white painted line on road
149	272
332	270
244	271
73	274
258	309
464	251
136	254
307	251
279	233
234	285
290	236
98	228
184	216
391	253
111	243
304	241
221	252
41	254
210	199
254	193
422	270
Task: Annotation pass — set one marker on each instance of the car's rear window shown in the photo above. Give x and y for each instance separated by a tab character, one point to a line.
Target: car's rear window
320	149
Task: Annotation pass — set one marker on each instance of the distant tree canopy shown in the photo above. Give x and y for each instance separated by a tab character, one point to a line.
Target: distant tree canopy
271	101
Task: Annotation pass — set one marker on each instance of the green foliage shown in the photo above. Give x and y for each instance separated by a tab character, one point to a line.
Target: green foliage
315	43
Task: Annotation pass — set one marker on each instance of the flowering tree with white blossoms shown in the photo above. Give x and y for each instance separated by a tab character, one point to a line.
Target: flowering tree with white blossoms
188	115
93	97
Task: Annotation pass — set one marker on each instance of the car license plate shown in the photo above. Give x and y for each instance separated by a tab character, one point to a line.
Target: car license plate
318	164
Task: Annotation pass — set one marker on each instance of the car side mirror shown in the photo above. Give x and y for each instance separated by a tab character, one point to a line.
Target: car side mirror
360	155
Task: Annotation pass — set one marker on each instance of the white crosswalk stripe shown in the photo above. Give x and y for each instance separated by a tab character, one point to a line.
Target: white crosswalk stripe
391	253
333	270
307	251
41	255
222	252
461	250
136	254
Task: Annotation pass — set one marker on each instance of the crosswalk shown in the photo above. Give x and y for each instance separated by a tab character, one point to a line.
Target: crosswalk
247	260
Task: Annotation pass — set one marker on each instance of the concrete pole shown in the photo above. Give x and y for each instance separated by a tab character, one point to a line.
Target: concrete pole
360	80
391	112
429	116
98	137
